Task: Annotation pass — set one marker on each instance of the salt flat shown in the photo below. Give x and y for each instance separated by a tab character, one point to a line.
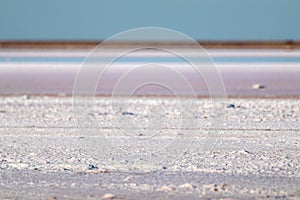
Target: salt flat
249	149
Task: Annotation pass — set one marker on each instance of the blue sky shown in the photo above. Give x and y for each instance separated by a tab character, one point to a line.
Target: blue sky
200	19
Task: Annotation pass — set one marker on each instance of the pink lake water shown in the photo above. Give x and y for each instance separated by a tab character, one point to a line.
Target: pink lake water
53	72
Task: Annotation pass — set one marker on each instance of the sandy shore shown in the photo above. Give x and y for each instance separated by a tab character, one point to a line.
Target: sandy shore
253	154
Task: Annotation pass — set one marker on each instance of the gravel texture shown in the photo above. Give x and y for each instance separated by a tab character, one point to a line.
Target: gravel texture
239	148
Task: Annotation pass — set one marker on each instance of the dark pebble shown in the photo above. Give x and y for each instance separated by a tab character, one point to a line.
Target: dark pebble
231	106
164	167
247	151
127	113
92	167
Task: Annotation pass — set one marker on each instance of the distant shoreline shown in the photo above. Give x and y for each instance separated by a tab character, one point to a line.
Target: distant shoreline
206	44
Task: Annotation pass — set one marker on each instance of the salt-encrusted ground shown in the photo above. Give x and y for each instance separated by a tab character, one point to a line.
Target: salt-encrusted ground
245	148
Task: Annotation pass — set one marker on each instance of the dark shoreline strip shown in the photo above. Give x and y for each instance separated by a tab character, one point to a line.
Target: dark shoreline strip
289	44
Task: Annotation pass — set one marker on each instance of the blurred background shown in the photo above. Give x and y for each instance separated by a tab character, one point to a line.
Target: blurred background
253	44
205	20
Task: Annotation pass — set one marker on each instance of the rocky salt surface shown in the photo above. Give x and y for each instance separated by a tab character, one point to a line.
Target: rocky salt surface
248	148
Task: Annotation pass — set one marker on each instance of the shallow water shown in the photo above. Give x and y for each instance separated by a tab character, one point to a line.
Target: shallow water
54	72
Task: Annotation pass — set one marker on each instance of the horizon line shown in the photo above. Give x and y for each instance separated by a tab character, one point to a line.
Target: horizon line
89	44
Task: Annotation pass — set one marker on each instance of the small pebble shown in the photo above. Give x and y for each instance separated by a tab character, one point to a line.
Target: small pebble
92	167
108	196
166	188
231	105
258	86
25	97
3	164
243	151
127	113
